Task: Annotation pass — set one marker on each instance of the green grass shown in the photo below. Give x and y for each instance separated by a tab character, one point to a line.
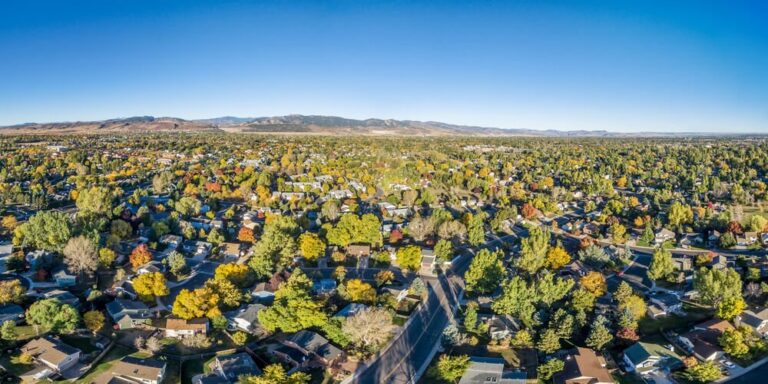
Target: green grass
24	332
14	366
81	343
693	315
115	354
190	368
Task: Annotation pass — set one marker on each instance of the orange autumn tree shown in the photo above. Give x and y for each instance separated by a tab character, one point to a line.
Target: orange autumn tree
245	234
140	256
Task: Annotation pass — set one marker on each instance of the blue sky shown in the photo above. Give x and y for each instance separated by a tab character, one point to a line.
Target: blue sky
613	65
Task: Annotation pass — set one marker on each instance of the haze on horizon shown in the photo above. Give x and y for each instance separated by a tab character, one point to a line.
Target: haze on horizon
656	66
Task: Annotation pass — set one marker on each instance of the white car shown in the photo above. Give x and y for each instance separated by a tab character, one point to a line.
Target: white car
727	363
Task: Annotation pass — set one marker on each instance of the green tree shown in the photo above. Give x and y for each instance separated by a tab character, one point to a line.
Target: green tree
444	250
8	330
648	237
46	230
294	308
517	299
730	307
549	341
53	315
705	372
533	250
679	214
599	335
177	263
661	264
121	229
215	237
550	368
188	206
485	273
623	291
733	342
409	257
449	368
476	229
95	201
715	285
275	374
550	289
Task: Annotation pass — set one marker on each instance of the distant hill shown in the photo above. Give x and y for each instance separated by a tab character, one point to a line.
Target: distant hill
303	124
138	124
334	125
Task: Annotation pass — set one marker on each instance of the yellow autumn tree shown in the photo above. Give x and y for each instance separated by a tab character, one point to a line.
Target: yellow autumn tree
201	302
594	282
150	285
360	291
557	257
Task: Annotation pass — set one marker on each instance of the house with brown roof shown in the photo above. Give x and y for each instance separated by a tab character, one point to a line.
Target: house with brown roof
139	371
702	340
51	356
175	327
359	250
584	366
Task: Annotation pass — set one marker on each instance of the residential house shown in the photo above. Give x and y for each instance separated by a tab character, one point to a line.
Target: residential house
714	238
65	297
324	286
139	371
151	267
350	310
264	292
750	238
128	314
63	277
246	319
756	320
37	258
359	250
52	357
487	370
646	358
231	367
663	235
719	262
323	352
175	327
123	289
197	249
428	261
702	340
502	327
690	240
231	251
584	366
171	242
669	302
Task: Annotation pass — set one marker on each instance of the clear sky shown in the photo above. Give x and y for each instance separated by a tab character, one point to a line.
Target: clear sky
614	65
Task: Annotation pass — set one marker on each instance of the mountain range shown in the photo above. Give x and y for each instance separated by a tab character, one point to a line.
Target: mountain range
298	124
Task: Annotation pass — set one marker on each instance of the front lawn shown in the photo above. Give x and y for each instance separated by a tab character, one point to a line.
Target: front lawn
115	354
693	315
14	366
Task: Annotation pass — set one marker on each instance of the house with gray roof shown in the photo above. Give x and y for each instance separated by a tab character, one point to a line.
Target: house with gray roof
487	370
